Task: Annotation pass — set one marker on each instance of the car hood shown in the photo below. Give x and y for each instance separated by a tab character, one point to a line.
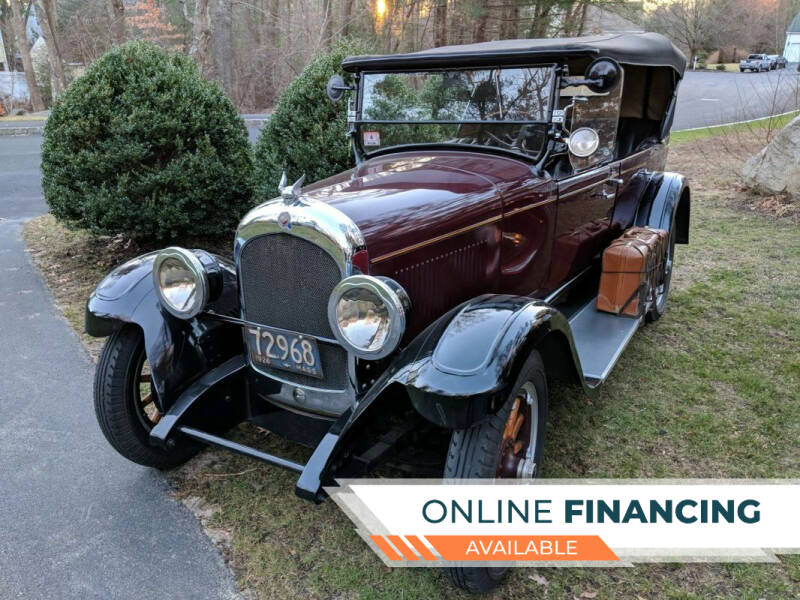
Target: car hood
402	198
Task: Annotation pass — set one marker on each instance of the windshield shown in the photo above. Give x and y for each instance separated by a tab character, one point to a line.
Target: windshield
498	108
754	57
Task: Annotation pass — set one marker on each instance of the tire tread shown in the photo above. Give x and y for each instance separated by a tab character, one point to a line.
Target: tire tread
472	455
119	426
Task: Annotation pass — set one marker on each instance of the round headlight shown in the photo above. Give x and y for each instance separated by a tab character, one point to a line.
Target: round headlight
583	142
181	282
368	315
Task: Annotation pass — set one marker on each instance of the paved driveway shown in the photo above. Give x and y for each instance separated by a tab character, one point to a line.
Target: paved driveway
76	520
711	98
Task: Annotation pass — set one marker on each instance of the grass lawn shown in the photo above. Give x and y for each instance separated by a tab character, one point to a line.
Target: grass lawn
765	128
731	67
711	390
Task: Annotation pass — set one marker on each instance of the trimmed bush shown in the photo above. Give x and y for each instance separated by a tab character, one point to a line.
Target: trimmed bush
307	132
144	146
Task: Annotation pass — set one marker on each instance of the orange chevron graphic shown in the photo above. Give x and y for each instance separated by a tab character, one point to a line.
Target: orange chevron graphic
420	547
385	547
407	552
523	548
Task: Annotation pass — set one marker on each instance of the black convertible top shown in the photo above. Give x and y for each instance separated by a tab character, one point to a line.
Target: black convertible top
643	49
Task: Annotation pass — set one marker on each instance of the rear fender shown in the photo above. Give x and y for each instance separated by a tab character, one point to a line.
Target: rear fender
179	350
667	204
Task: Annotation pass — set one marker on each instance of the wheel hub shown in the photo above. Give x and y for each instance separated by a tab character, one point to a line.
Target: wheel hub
517	448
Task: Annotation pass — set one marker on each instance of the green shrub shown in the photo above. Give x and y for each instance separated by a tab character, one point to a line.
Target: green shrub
144	146
720	67
307	132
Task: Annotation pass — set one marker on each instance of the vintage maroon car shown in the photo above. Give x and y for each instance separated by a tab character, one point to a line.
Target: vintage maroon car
423	301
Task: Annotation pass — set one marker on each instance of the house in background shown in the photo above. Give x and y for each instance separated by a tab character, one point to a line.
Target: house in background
792	49
13	85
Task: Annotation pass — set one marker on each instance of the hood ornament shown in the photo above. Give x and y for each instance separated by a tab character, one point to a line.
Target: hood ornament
290	192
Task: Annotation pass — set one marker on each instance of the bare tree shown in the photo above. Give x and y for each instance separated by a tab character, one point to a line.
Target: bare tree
19	20
693	24
200	45
117	13
347	15
45	13
440	23
509	28
6	37
222	44
327	23
482	21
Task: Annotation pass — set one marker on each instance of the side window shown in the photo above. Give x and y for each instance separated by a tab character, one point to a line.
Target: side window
601	113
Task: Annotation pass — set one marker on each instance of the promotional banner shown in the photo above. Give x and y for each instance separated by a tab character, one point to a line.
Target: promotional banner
418	523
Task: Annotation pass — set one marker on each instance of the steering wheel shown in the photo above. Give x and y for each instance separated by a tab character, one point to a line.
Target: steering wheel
513	143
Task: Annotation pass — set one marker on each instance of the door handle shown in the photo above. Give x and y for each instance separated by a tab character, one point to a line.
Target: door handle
604	194
617	180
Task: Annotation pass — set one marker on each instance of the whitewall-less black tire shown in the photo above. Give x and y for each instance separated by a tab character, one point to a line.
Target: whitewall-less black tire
474	454
124	416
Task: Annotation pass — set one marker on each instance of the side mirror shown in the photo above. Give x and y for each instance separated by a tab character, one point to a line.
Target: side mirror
602	75
336	88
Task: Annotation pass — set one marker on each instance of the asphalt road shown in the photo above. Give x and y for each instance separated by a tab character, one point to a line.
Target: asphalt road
712	98
76	519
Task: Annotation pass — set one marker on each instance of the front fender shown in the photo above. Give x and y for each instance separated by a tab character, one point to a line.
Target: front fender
464	367
457	371
178	350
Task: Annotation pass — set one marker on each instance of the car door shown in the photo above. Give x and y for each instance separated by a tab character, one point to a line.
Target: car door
583	221
529	219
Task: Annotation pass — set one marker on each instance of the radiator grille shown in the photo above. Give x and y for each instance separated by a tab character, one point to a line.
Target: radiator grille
286	282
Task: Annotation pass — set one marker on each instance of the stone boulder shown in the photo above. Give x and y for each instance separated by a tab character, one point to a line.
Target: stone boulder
776	169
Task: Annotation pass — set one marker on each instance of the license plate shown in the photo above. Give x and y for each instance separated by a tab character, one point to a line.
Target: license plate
280	349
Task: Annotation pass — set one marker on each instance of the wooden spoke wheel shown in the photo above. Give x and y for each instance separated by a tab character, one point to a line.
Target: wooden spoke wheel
516	456
144	394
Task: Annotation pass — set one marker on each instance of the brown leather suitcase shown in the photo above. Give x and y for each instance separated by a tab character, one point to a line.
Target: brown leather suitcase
657	240
625	278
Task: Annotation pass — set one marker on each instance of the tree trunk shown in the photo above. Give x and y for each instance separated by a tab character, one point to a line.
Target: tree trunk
274	30
118	21
19	21
47	21
327	24
6	38
440	24
222	44
482	22
346	16
510	27
200	48
582	24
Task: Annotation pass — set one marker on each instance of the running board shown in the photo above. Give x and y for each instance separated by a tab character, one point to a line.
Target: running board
600	338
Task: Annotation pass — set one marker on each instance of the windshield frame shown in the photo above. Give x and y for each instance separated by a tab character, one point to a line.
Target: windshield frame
356	121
